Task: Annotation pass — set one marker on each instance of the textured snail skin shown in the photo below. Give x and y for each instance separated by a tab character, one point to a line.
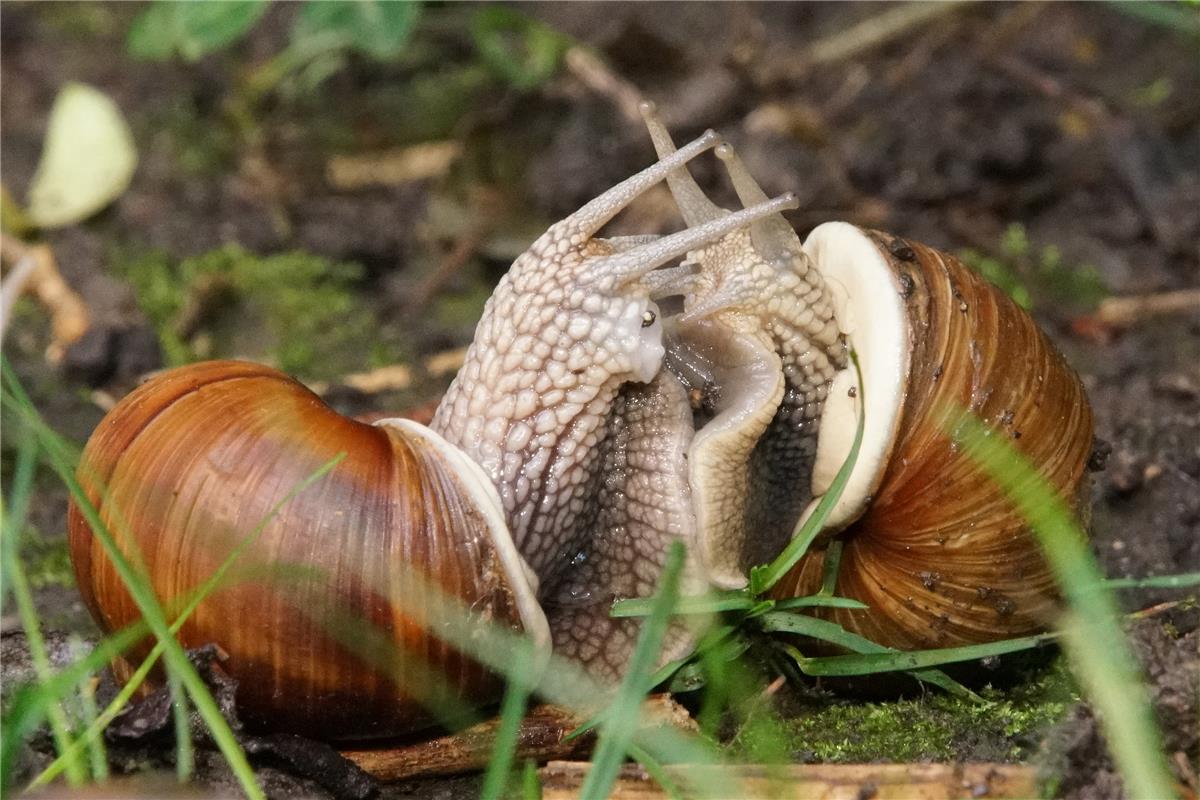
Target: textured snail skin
194	460
931	544
940	555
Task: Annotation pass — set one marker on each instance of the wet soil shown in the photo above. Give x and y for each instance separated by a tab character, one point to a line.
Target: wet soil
1080	123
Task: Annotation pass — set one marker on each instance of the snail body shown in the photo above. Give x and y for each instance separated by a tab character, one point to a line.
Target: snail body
489	506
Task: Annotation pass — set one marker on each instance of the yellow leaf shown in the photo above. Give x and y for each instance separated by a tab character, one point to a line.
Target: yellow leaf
88	158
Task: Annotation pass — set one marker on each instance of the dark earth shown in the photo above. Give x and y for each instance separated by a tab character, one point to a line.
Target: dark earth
1079	123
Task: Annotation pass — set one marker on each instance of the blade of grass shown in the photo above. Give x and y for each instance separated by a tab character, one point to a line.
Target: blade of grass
820	601
871	663
829	569
531	785
185	757
1096	645
803	625
98	754
764	577
512	710
618	729
13	522
210	585
140	591
713	604
1184	580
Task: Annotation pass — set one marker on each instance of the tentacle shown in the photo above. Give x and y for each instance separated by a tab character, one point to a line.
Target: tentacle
635	263
584	223
772	236
694	205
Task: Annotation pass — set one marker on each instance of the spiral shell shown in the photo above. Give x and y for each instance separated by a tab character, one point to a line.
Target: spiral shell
338	584
931	544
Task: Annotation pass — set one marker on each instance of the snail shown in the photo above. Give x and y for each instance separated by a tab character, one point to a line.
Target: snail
495	504
585	432
930	544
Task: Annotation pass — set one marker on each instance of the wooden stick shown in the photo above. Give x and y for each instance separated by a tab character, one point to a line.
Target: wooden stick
37	272
563	779
1125	311
541	738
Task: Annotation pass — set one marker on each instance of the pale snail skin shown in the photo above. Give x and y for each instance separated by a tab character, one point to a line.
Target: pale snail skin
932	545
554	454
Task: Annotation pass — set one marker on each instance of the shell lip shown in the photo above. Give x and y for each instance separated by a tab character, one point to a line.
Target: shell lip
522	581
871	313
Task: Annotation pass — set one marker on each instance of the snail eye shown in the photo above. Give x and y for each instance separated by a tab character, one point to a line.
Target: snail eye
648	317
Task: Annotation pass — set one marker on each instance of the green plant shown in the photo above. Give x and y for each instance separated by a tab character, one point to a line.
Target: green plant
304	302
1029	274
514	48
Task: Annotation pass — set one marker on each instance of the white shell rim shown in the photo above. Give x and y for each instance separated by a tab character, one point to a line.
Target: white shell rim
521	579
870	311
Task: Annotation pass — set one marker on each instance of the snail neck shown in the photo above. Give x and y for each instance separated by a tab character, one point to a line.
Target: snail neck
530	406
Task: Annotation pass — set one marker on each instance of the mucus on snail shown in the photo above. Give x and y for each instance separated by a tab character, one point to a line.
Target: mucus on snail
569	452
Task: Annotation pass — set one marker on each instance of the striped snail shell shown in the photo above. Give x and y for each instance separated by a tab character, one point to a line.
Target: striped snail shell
931	545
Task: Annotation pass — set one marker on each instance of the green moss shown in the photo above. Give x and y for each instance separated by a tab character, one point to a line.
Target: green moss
1006	727
296	310
46	560
1036	275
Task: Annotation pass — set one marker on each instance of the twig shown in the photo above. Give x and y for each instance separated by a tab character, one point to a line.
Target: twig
854	41
593	73
875	31
541	737
69	317
13	287
1126	311
563	779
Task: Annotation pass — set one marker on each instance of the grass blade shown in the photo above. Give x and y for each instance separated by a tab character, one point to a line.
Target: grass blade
618	729
1095	643
710	604
13	522
802	625
820	601
870	663
1184	580
185	757
512	711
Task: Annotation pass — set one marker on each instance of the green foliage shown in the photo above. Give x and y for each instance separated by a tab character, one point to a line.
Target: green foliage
304	303
510	46
46	559
377	29
523	52
191	29
1028	274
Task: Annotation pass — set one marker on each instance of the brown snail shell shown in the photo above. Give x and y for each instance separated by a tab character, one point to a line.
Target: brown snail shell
931	544
189	463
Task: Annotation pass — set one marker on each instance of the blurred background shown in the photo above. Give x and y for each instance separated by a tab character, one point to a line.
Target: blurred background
334	188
